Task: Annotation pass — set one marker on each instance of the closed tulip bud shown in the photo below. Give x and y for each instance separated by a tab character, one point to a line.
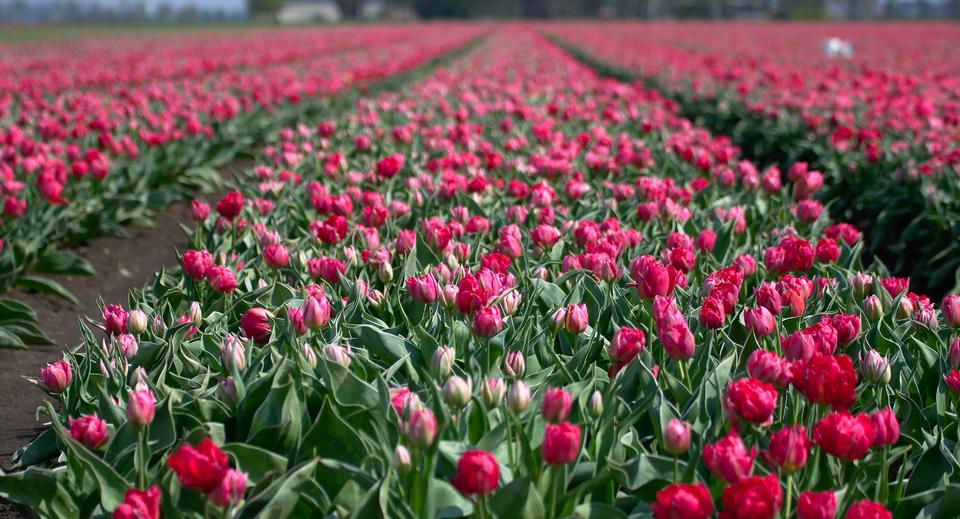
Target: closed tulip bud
873	307
375	298
195	313
442	362
510	302
337	354
514	364
487	322
316	312
519	396
423	289
385	273
136	322
231	489
560	318
255	324
477	473
886	427
310	356
596	405
227	391
158	327
875	368
140	407
951	310
905	309
401	459
128	345
139	378
676	437
456	392
556	404
55	377
760	321
561	443
789	448
233	353
448	296
955	352
421	428
861	283
492	391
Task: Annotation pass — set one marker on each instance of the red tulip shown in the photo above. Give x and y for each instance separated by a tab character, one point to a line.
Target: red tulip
759	320
676	437
421	428
556	404
487	322
221	279
712	313
789	448
728	459
683	501
625	345
139	504
652	278
201	468
847	327
561	443
55	377
231	489
752	498
817	505
389	166
845	436
424	288
89	430
255	324
885	426
196	263
751	400
827	380
140	407
115	320
230	205
276	256
952	380
950	308
477	473
867	509
766	366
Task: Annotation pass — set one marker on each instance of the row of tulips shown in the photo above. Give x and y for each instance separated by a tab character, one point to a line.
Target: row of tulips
883	124
99	143
508	291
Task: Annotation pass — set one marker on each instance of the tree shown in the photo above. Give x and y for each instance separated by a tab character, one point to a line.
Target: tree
261	7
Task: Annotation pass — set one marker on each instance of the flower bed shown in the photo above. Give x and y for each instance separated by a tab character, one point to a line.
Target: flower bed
882	124
101	138
510	289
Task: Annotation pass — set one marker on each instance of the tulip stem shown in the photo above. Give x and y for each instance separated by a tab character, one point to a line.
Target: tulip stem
789	500
676	469
881	494
141	459
506	424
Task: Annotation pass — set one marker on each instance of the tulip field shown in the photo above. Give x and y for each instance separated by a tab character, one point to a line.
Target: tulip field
496	271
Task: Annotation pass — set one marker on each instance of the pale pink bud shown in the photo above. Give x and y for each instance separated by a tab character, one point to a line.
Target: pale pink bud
337	354
676	437
140	407
492	391
519	397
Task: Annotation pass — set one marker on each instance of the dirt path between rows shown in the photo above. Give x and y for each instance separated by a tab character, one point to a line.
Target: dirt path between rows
121	264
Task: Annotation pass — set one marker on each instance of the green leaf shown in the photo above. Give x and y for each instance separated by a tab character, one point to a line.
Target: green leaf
63	262
519	499
256	462
278	500
46	286
41	490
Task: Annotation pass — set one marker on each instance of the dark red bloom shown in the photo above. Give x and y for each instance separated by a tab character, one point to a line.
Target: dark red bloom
199	468
477	473
845	436
139	504
827	380
230	205
752	498
683	501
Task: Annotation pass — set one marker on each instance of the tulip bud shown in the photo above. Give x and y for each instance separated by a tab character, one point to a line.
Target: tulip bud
905	309
158	327
337	354
556	404
596	405
227	391
136	322
448	296
128	345
195	313
316	312
232	353
140	407
492	391
875	368
385	273
231	489
421	428
676	437
310	356
139	378
442	362
456	392
88	430
955	352
519	397
375	298
873	307
861	283
55	377
950	308
510	302
401	459
514	364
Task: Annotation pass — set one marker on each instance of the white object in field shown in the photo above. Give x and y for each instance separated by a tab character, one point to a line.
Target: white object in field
837	48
